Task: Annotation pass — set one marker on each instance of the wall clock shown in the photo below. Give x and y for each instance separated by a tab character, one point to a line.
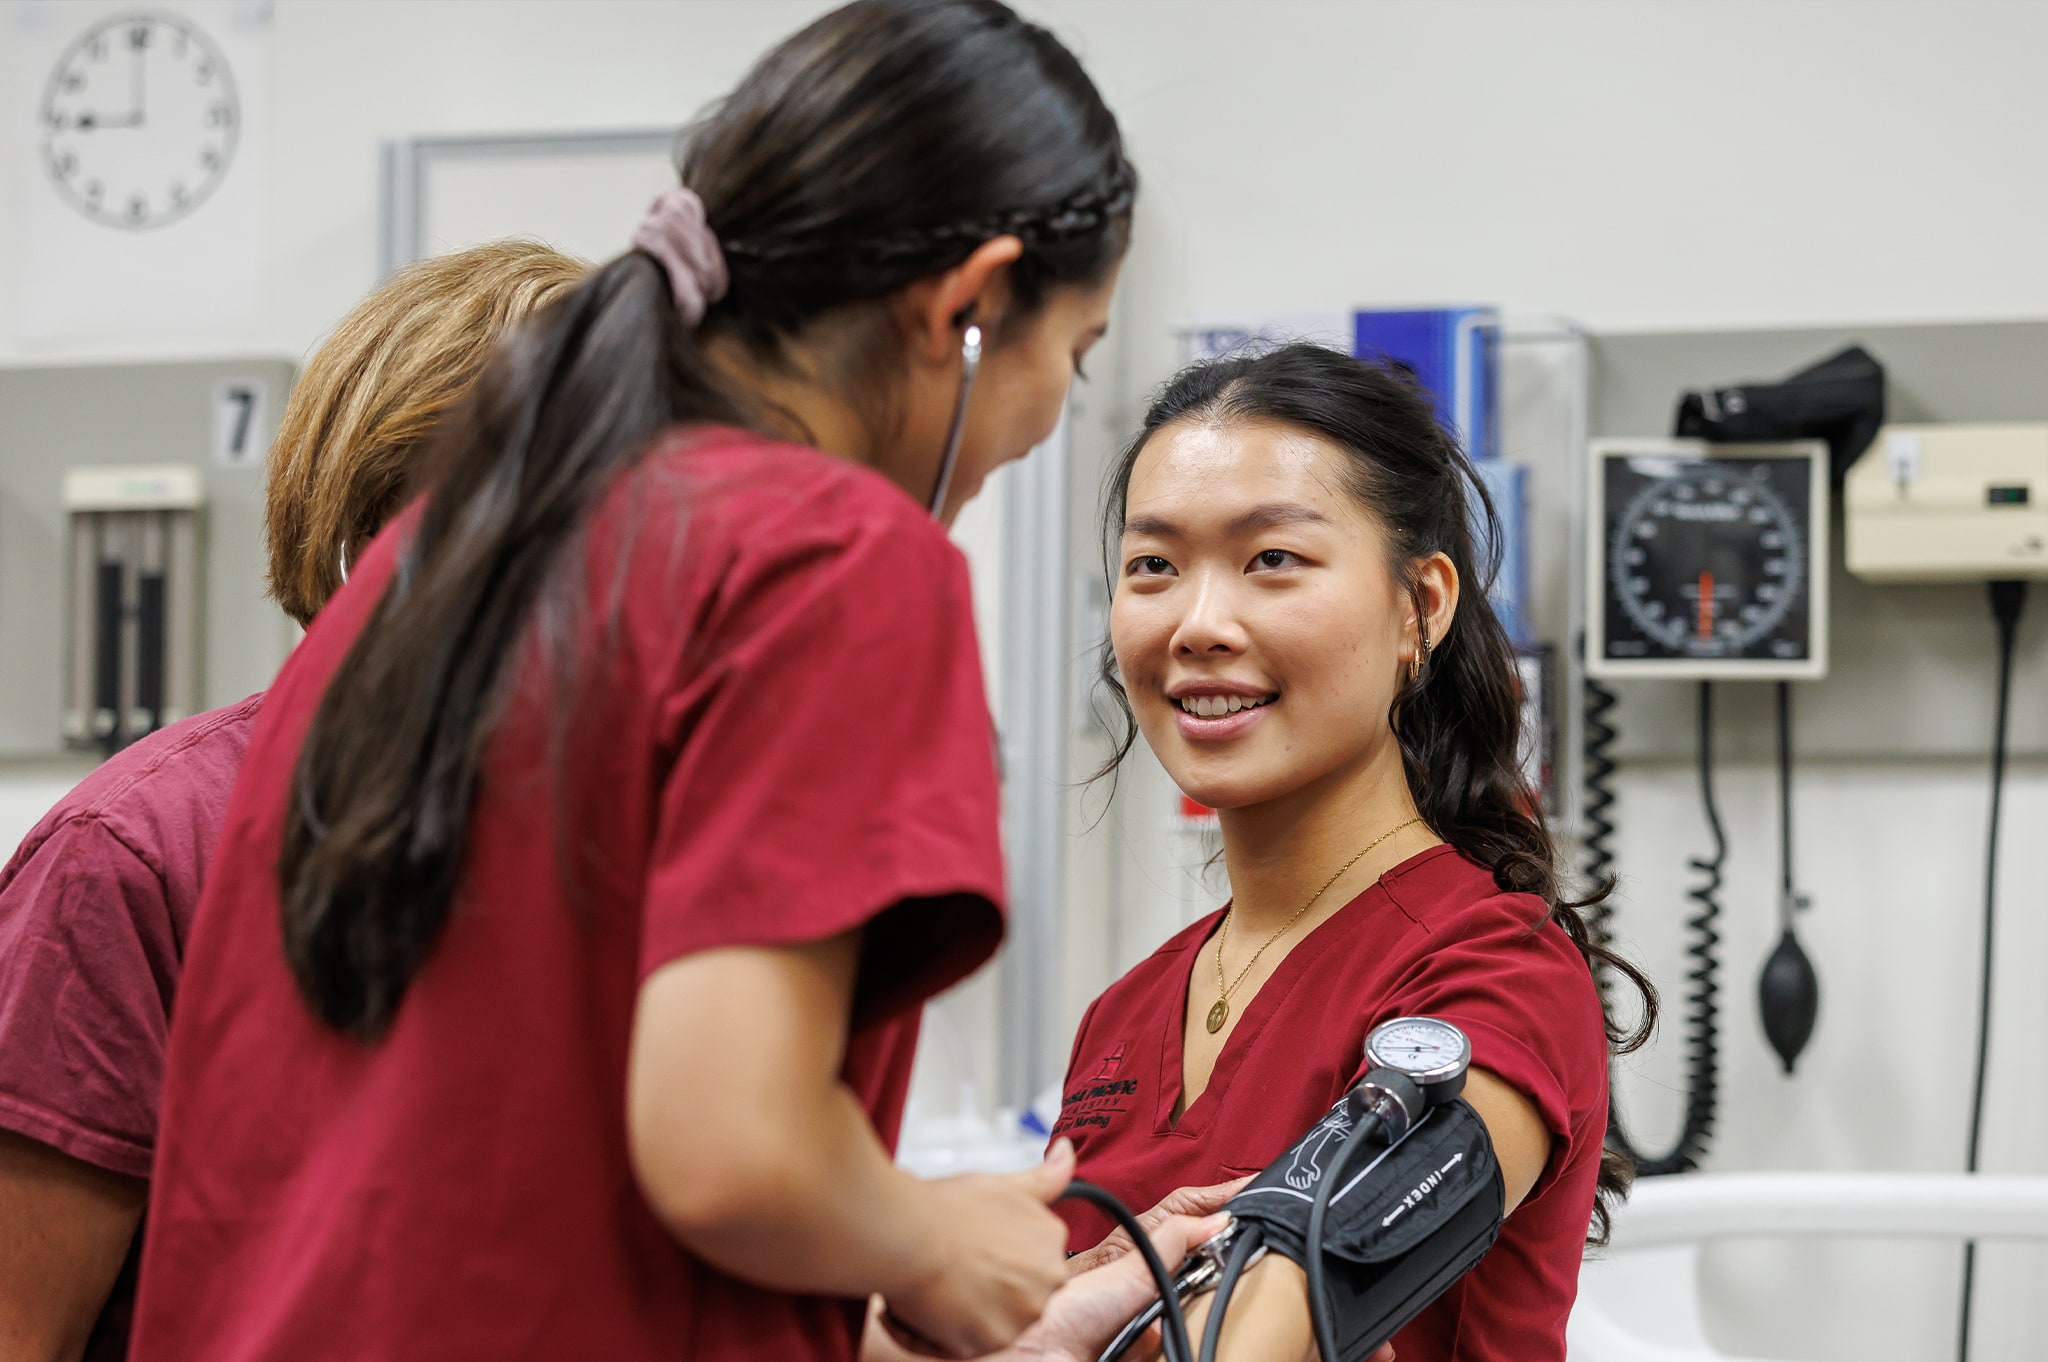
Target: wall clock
139	120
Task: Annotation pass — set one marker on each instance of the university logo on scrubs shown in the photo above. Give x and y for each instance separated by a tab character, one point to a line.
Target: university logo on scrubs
1101	1097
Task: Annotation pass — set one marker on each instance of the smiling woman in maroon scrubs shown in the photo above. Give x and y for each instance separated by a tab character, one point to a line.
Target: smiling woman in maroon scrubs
1297	639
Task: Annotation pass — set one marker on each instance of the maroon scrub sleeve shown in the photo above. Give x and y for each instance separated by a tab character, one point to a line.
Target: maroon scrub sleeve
1525	999
87	966
839	770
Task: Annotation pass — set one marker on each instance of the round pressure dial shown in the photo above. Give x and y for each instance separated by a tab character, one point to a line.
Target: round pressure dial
1433	1053
1708	564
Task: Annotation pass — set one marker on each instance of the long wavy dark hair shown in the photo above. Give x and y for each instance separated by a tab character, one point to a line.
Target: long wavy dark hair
879	146
1459	724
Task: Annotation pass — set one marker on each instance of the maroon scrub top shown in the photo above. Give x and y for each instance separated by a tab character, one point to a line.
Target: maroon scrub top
1433	937
94	911
781	736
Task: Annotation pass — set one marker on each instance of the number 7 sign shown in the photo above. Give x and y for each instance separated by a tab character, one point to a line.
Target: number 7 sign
238	409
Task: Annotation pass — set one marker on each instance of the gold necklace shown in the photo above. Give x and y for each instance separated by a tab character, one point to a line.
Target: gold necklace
1221	1012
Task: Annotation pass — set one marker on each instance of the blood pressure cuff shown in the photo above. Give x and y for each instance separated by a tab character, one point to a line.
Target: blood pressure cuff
1405	1223
1840	400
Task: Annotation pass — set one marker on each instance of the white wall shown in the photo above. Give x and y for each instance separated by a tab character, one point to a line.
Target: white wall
1680	163
27	790
1894	857
1686	163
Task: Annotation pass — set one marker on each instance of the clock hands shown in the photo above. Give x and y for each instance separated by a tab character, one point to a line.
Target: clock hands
190	132
88	120
138	51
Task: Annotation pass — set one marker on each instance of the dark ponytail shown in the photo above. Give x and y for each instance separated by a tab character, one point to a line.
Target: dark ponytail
878	146
1459	725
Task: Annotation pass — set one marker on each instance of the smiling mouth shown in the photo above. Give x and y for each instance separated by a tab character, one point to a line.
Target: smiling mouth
1218	706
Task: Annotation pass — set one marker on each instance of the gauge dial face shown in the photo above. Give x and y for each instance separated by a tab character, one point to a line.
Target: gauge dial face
1421	1047
1707	558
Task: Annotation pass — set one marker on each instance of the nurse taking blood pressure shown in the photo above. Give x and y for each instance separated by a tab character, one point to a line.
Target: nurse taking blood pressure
555	990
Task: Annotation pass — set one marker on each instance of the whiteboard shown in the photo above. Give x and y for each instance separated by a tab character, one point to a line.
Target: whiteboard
580	192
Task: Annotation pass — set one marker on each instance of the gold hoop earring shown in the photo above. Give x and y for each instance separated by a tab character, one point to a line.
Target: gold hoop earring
1421	653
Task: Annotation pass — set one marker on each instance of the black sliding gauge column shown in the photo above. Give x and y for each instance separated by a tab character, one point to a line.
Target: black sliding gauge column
1709	562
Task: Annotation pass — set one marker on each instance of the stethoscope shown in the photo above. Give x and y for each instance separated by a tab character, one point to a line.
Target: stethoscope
970	362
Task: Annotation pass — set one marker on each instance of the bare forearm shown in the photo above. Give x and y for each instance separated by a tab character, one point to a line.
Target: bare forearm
751	1149
760	1160
826	1211
1268	1316
65	1228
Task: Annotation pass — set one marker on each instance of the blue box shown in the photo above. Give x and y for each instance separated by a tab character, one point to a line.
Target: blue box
1452	353
1507	484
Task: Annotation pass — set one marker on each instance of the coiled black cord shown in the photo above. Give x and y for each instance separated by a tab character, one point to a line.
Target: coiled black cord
1598	785
1703	1003
1703	1006
1173	1324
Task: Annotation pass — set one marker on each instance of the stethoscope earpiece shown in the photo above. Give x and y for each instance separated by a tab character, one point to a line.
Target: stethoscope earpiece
970	361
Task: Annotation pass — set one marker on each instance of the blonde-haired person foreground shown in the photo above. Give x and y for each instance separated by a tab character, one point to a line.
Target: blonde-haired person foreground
96	904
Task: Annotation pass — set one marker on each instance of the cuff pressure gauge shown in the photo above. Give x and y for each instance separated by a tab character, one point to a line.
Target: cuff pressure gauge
1415	1063
1708	561
1429	1054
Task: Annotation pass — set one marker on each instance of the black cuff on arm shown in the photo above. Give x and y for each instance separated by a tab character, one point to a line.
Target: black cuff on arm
1404	1223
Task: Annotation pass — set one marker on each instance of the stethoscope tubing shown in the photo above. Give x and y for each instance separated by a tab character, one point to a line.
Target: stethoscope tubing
970	364
1168	1305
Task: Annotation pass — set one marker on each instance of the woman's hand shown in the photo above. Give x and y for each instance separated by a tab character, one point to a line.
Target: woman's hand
1194	1202
1086	1313
1004	1256
1093	1306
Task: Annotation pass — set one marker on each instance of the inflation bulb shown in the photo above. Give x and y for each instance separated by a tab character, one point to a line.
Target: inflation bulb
1789	992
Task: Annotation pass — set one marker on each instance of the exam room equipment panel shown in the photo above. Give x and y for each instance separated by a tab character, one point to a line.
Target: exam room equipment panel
214	417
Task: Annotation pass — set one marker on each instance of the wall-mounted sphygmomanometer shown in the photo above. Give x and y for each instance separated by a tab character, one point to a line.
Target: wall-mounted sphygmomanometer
1710	561
1388	1199
132	602
1707	562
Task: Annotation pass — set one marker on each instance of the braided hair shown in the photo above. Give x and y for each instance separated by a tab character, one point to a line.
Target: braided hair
879	146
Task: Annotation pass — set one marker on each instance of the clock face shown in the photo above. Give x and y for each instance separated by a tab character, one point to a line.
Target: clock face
139	121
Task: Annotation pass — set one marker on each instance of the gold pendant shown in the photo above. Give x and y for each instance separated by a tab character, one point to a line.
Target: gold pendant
1218	1015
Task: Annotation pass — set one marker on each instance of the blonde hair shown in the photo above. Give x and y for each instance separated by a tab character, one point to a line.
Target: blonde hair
371	398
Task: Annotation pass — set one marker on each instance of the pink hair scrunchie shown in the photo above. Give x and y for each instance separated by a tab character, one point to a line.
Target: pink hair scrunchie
676	233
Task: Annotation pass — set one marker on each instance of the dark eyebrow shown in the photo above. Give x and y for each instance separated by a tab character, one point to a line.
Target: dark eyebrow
1270	516
1275	514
